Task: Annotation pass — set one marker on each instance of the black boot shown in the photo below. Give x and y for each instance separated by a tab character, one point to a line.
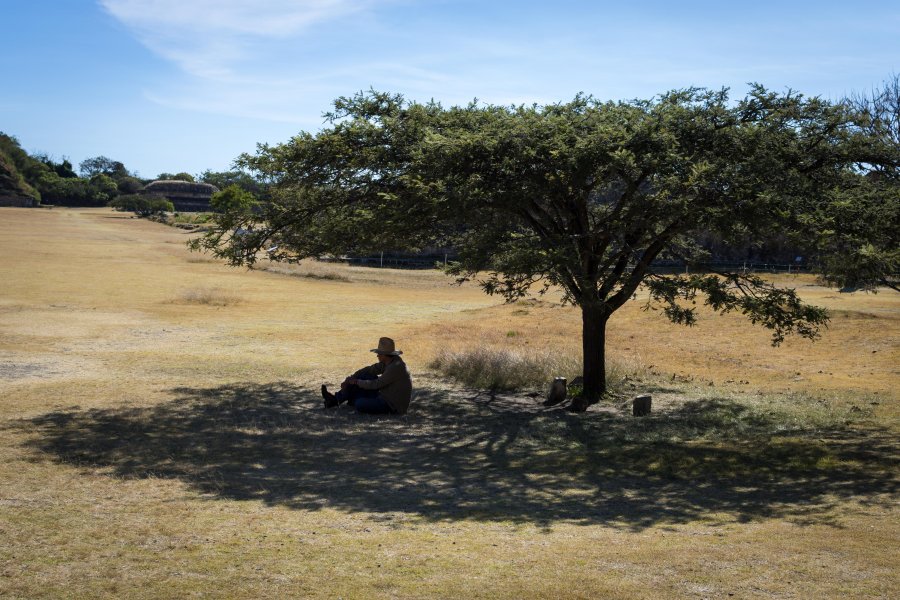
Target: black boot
330	399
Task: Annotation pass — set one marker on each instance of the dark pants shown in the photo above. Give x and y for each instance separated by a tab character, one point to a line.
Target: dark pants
365	401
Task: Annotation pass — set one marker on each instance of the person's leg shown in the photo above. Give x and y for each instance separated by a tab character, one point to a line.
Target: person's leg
352	393
330	399
348	393
373	405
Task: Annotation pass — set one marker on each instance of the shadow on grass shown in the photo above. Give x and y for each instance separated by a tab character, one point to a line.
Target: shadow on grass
462	455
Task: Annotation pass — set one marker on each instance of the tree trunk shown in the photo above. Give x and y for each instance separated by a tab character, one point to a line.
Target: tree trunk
593	340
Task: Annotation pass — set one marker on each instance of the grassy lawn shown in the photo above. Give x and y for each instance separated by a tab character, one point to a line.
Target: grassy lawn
161	435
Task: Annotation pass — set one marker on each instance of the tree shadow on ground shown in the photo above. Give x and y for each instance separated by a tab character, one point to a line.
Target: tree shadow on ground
461	455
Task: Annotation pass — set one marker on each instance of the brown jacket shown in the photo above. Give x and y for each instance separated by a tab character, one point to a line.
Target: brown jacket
394	383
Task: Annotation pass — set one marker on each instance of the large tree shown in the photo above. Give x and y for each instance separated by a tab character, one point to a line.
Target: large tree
858	241
101	165
583	196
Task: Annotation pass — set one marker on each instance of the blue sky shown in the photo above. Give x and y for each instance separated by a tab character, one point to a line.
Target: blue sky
186	85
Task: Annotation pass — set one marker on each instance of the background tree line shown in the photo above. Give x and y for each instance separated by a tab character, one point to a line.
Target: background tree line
98	181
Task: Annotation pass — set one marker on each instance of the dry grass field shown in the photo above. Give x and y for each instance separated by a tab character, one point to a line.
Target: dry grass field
162	436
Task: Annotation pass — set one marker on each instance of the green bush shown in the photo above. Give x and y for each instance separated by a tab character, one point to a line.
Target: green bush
232	199
129	185
142	205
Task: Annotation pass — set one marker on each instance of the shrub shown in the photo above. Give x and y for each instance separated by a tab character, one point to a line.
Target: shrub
505	370
513	370
232	199
129	185
142	205
209	296
309	270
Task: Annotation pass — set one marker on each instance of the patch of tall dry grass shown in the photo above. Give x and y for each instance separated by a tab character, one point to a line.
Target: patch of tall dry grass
209	296
309	269
504	369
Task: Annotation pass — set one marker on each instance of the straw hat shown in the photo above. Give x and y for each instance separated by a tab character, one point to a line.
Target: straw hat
386	346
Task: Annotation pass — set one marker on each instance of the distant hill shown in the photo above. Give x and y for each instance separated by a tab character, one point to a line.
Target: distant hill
14	191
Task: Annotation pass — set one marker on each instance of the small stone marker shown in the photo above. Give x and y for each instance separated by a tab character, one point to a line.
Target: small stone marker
558	392
640	406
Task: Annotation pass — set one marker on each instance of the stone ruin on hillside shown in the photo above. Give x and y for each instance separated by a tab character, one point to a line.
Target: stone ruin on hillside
186	196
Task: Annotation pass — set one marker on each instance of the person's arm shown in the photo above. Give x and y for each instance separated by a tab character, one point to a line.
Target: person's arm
391	374
367	373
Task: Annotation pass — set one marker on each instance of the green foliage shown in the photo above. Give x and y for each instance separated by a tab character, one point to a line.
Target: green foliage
129	185
176	177
857	231
66	191
56	183
10	147
52	182
778	309
192	218
858	237
102	188
160	205
143	205
101	165
233	199
583	195
241	179
63	190
63	169
17	169
880	119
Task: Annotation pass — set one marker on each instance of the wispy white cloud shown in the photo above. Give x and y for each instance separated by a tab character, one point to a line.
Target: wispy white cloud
257	59
301	98
207	38
258	17
286	60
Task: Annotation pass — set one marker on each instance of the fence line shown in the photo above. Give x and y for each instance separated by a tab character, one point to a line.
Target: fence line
434	260
731	266
397	262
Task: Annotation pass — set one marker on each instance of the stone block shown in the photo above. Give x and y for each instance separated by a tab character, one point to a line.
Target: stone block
640	406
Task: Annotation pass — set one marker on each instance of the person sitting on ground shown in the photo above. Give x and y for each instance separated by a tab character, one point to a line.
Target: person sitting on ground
383	388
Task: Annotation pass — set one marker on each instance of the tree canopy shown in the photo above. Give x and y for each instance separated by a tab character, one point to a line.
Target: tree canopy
176	177
101	165
242	179
143	205
233	199
129	185
47	181
858	229
583	195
